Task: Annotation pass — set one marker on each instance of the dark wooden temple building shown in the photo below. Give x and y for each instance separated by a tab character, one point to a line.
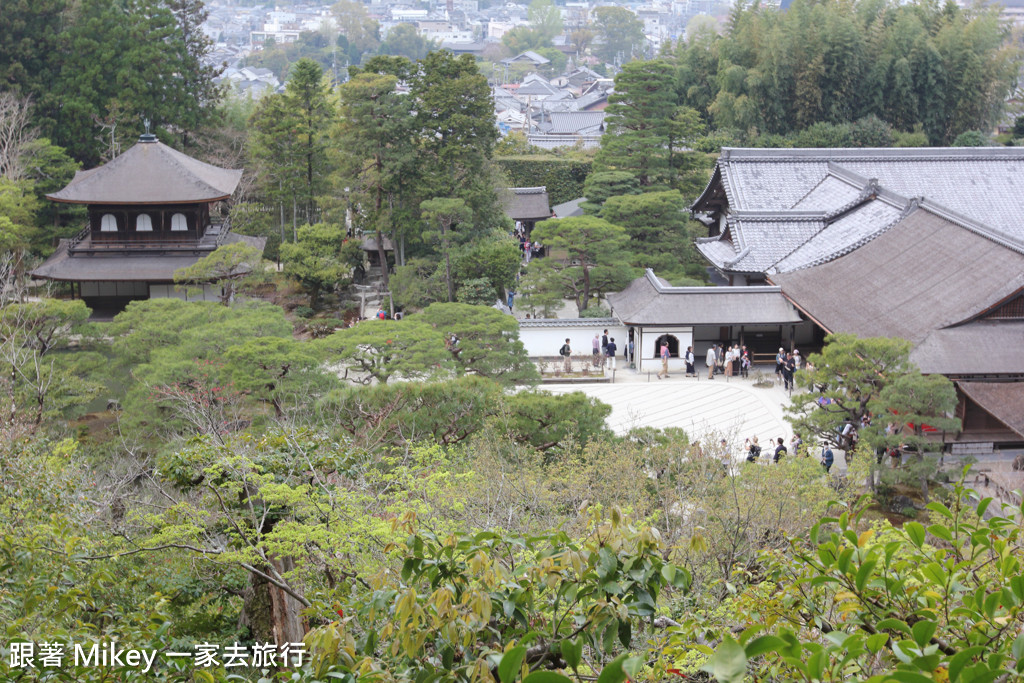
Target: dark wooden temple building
924	244
152	210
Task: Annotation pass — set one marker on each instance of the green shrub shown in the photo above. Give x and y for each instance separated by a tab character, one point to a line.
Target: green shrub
563	178
594	312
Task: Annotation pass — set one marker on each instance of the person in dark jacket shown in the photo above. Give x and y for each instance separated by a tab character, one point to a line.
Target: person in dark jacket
780	451
826	457
609	351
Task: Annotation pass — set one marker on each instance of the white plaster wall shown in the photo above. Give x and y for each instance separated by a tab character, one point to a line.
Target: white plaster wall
185	292
546	341
647	354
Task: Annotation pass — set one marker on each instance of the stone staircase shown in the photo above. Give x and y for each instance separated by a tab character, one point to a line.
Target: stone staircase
371	294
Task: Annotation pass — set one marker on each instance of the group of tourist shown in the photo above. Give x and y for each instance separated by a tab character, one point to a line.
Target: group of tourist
752	450
604	352
786	364
529	249
731	362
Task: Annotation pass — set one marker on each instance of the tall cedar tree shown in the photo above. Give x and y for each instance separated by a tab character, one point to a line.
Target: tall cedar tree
455	121
647	130
290	134
377	153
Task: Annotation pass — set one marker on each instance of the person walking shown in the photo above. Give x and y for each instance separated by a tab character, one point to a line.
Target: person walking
727	362
632	359
689	359
711	360
664	360
596	361
745	364
604	343
566	353
610	353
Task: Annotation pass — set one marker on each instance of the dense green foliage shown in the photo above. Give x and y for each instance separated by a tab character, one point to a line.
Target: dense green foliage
96	69
563	177
939	68
588	258
879	604
448	527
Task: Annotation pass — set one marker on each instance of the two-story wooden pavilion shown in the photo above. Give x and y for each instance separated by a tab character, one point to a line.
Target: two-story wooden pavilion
152	210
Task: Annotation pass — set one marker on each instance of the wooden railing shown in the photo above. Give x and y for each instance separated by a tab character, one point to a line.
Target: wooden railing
87	242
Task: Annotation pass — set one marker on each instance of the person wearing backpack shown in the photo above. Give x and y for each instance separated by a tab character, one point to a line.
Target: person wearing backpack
753	449
566	353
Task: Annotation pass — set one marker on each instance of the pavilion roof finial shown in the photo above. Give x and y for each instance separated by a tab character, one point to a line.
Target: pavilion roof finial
147	136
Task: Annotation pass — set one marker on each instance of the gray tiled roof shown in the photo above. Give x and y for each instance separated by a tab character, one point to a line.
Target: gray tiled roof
842	236
980	348
597	323
925	273
545	141
536	87
578	122
591	99
832	191
112	267
770	238
150	173
985	183
528	203
569	209
649	300
121	267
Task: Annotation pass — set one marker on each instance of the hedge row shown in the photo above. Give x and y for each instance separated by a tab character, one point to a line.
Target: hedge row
563	177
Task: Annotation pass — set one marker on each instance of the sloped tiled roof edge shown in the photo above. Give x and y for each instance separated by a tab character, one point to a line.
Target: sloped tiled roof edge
857	244
663	287
742	154
834	157
569	322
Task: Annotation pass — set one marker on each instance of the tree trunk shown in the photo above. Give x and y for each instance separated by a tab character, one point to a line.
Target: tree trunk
586	288
447	264
272	615
382	254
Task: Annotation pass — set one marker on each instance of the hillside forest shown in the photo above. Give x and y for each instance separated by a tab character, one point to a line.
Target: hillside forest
266	488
